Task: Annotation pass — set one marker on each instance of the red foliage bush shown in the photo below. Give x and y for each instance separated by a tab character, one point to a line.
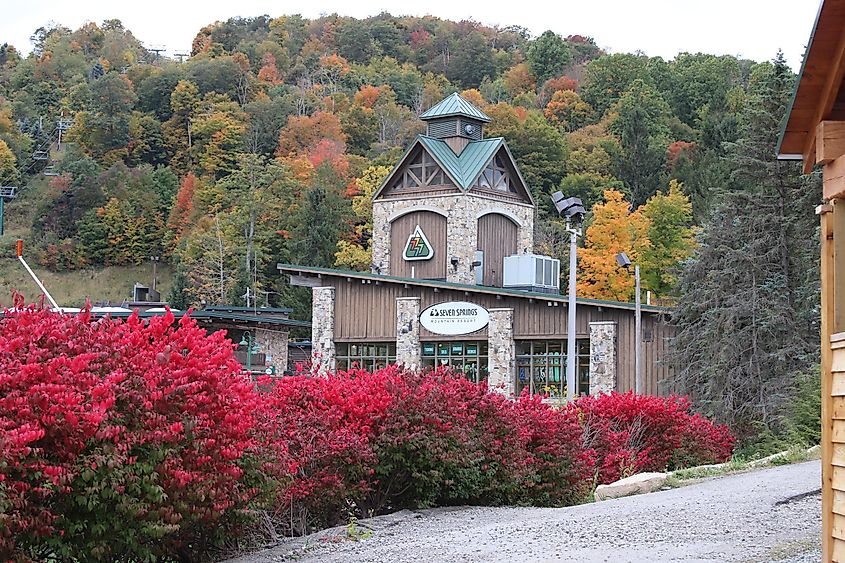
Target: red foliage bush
633	433
368	443
119	439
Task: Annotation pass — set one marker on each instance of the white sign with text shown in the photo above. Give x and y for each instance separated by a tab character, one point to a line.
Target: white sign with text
454	318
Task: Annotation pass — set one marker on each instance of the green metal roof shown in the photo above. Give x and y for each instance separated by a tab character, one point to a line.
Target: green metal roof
454	105
463	169
292	268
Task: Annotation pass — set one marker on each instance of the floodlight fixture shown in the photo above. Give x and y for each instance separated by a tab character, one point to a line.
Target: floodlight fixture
570	208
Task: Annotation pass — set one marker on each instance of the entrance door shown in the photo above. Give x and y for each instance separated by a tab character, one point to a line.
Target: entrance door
496	238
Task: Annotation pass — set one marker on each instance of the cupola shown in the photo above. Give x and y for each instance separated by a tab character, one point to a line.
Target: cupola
456	121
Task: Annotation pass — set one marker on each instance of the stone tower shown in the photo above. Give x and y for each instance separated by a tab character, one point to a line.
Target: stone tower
454	205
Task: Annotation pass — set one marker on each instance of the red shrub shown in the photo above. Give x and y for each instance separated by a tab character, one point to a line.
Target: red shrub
633	433
368	443
119	439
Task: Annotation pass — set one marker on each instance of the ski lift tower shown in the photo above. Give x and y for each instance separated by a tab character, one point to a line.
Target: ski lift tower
6	192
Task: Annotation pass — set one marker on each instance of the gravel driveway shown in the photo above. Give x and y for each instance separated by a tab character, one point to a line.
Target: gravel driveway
760	516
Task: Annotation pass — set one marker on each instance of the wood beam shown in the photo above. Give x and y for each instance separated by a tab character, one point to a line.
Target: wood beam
825	102
825	213
830	141
833	183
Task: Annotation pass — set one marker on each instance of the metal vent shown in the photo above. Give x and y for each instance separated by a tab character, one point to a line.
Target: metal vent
443	129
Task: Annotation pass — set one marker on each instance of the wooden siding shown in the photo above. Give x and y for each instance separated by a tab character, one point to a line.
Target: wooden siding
434	227
497	236
365	311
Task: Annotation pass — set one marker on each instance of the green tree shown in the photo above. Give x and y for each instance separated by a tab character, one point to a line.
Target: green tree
672	239
747	313
321	220
548	56
608	77
643	135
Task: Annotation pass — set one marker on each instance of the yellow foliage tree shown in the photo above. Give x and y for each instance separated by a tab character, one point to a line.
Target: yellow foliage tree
614	229
356	254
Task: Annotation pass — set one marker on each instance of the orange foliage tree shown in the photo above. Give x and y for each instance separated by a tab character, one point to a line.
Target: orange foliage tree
614	229
181	213
306	131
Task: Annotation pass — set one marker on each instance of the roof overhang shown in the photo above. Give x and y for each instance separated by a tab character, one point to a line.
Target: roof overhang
816	96
311	276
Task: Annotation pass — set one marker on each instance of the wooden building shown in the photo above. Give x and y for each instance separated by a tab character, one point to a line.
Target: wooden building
814	131
454	279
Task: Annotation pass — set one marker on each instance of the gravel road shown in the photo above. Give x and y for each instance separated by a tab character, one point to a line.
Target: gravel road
760	516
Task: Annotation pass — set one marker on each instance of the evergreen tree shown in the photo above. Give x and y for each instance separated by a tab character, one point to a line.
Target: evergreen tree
321	220
749	295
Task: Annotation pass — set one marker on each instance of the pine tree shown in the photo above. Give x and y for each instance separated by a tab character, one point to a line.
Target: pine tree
750	292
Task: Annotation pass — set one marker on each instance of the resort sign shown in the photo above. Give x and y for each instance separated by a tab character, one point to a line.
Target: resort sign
454	318
418	247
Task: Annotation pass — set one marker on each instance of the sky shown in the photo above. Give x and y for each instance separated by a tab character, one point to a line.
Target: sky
753	29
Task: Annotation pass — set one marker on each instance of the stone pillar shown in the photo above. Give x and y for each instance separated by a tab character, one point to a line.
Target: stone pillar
380	242
274	344
461	240
322	330
408	351
602	357
502	352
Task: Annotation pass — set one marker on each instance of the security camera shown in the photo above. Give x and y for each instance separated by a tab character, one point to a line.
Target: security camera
623	260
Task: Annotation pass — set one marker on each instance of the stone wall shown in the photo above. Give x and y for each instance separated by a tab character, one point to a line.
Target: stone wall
322	329
462	212
502	352
602	357
408	352
274	344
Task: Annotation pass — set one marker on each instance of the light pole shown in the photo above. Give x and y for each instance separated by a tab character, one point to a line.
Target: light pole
572	210
246	340
625	262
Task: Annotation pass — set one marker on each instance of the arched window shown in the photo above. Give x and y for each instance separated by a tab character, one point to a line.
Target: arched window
496	177
422	171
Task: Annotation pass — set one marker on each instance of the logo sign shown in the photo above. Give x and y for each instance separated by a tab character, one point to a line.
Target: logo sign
418	247
454	317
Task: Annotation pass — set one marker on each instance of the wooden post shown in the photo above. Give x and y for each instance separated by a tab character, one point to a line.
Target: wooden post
827	311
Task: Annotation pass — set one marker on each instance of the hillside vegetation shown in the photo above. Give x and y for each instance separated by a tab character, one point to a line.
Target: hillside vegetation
266	144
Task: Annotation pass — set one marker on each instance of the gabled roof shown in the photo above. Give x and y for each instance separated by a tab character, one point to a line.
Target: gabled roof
454	105
463	169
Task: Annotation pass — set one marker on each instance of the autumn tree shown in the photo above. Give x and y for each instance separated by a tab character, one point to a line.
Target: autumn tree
182	213
355	253
568	110
672	239
614	229
302	132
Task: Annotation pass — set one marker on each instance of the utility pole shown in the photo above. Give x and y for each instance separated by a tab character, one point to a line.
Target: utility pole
639	385
571	353
572	210
6	192
638	326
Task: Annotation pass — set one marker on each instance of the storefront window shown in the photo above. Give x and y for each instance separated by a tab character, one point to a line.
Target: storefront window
368	355
541	367
469	358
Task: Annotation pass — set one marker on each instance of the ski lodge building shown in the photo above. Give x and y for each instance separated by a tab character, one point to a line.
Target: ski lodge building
454	280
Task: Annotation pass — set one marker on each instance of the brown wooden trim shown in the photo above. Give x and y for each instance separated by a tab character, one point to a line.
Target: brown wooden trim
825	100
830	141
826	240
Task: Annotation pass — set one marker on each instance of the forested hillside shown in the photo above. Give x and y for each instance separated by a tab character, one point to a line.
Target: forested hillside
265	145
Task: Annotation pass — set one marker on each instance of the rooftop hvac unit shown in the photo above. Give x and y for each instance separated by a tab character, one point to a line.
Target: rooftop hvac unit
532	272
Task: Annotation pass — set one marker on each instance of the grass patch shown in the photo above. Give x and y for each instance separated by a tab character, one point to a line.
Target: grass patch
71	289
794	454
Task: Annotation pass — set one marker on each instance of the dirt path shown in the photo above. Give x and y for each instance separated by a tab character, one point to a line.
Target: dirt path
765	515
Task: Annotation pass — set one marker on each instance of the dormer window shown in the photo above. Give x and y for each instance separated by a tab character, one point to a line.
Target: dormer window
496	177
